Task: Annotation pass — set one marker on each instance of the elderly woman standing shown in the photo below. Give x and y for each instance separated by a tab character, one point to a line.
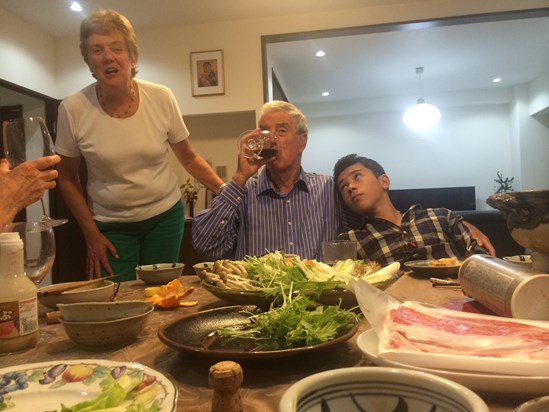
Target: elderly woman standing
123	127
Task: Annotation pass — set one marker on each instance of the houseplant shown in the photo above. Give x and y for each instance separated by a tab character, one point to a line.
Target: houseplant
504	184
189	192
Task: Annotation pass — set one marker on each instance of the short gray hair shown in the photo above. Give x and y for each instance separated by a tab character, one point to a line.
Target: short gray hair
104	21
292	110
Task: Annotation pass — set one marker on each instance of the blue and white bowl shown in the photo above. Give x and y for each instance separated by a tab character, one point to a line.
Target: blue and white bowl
378	389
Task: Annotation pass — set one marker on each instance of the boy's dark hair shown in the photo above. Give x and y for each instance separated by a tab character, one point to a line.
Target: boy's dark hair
352	159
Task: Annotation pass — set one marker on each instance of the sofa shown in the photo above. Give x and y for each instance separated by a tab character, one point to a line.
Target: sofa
492	223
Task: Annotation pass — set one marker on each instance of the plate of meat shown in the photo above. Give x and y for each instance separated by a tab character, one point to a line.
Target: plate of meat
481	382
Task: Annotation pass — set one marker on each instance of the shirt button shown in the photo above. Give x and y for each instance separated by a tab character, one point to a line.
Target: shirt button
238	198
287	200
291	243
289	223
223	222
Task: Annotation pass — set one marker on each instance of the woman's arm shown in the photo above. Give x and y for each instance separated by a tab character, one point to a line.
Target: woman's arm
97	244
196	165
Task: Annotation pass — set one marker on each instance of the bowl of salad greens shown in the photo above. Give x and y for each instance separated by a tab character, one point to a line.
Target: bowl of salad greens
259	280
247	332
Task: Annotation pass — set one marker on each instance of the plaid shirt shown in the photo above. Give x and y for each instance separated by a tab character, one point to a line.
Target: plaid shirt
423	234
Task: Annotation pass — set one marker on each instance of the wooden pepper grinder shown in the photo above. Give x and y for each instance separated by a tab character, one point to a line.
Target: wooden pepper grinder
225	379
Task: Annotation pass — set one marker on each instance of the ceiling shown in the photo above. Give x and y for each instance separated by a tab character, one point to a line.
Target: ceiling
379	63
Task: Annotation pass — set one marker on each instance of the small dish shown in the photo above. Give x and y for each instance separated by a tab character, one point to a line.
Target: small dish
159	273
423	269
96	292
534	405
520	259
378	389
199	268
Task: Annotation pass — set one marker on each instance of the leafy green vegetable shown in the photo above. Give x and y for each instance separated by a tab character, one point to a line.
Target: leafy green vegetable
298	322
116	396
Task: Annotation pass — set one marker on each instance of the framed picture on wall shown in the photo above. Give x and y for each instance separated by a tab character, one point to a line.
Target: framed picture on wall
207	74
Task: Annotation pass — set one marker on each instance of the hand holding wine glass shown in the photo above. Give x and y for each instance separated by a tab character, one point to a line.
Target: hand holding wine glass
29	139
258	144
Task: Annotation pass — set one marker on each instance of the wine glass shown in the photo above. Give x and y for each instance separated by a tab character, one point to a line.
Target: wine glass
38	246
258	144
26	139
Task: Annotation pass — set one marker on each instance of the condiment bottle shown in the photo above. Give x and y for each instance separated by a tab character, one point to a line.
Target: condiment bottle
225	379
18	298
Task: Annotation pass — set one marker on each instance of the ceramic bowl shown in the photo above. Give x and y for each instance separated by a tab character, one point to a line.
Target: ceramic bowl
97	292
527	216
378	389
159	273
200	268
104	325
534	405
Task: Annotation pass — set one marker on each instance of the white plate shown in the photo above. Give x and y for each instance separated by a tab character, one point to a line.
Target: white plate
75	381
422	268
487	383
522	259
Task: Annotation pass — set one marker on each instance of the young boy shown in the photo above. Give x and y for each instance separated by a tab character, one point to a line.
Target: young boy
387	235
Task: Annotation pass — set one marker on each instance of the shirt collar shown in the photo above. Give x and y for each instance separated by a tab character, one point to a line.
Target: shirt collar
265	184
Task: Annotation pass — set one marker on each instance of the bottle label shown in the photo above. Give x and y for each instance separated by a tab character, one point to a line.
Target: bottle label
18	318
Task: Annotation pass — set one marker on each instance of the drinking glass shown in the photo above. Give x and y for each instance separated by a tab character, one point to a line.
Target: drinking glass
258	144
337	250
38	245
27	139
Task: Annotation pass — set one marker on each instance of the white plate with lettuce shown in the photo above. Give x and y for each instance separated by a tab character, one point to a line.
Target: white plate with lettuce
75	384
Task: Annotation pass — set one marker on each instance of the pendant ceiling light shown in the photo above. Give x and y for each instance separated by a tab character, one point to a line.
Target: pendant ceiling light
421	116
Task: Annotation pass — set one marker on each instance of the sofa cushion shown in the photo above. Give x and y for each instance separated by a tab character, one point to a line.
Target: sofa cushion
492	223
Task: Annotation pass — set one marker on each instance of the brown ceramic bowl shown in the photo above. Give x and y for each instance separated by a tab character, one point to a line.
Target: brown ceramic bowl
527	215
104	325
160	273
102	291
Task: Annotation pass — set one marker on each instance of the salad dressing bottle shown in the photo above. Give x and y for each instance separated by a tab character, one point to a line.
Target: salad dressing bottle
18	298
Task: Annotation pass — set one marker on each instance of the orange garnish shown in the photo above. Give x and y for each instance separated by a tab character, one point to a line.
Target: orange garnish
170	295
188	303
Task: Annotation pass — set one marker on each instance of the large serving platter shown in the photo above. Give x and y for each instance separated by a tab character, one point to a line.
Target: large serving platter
478	381
44	386
343	297
191	335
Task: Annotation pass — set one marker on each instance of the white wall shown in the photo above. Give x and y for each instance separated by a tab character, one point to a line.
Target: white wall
469	154
462	155
27	55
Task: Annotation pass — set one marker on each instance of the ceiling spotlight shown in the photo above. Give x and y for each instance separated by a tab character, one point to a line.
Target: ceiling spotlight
496	80
320	53
421	116
75	6
325	94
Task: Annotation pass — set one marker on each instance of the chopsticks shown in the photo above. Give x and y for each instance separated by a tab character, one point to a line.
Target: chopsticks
63	287
442	283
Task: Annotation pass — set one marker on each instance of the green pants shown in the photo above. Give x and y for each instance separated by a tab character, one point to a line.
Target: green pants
154	240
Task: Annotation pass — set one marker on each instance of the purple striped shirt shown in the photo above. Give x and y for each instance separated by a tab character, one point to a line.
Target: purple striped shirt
258	219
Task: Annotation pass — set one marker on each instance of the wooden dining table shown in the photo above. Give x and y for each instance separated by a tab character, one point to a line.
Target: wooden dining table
264	380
